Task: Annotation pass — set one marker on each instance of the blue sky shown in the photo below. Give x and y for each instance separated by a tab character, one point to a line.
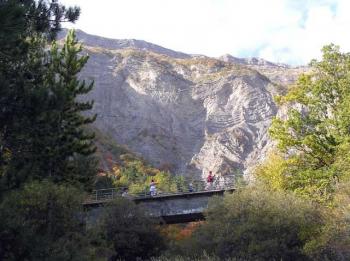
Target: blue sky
287	31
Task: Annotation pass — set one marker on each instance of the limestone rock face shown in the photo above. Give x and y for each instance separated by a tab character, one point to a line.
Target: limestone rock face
192	113
281	74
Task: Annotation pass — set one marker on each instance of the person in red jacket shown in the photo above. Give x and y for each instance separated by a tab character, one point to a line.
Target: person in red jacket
210	180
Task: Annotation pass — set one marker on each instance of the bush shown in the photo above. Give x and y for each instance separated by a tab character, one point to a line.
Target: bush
334	241
42	222
257	224
129	232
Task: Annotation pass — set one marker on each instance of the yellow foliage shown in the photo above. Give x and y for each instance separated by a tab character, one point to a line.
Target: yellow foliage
123	181
135	174
137	188
272	172
116	171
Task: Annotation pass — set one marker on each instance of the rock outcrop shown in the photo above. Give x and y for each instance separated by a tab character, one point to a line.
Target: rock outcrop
192	113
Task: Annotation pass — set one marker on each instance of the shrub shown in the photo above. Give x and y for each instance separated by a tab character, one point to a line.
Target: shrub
129	232
257	224
42	222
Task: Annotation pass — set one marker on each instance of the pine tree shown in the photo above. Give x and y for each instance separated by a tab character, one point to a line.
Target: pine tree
70	141
41	133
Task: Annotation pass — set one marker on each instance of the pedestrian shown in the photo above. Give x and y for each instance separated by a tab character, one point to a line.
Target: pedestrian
190	187
210	180
152	188
125	193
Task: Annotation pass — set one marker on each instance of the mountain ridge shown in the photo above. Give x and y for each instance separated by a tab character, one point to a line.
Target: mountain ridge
112	43
194	114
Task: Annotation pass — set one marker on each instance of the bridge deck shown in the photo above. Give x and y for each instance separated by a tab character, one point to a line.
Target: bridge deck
162	196
171	207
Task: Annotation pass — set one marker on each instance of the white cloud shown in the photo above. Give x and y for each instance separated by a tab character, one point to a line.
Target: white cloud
289	31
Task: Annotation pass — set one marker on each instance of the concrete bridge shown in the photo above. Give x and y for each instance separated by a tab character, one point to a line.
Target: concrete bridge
180	207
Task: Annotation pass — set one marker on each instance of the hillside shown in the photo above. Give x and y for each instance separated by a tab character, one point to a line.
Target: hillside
192	113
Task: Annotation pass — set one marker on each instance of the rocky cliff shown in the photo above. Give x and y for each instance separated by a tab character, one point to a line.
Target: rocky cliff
189	113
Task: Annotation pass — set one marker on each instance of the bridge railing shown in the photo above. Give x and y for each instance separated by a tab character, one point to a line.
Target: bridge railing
219	183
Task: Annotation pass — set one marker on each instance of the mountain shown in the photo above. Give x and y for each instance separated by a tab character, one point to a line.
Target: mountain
279	73
250	61
190	113
114	44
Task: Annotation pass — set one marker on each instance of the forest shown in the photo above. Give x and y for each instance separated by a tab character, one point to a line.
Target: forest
297	206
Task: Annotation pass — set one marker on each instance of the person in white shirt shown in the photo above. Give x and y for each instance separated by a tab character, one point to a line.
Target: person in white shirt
152	188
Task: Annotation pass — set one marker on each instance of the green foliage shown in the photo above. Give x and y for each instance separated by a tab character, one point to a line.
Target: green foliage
317	128
41	222
137	175
68	139
334	241
257	224
20	19
128	232
47	139
103	182
25	28
41	135
129	170
40	122
313	159
291	173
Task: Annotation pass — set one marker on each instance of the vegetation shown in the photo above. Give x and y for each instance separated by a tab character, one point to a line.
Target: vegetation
312	159
40	222
46	152
315	136
130	171
257	224
298	208
128	233
41	130
137	176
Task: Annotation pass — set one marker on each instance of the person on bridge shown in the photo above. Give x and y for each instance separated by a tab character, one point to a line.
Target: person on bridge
125	193
152	188
190	187
210	180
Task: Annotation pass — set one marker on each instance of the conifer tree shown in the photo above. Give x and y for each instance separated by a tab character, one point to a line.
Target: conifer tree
66	130
41	134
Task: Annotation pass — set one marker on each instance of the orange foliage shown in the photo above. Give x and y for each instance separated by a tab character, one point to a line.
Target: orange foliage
187	231
180	232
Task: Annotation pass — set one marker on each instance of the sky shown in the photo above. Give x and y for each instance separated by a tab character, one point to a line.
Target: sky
284	31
